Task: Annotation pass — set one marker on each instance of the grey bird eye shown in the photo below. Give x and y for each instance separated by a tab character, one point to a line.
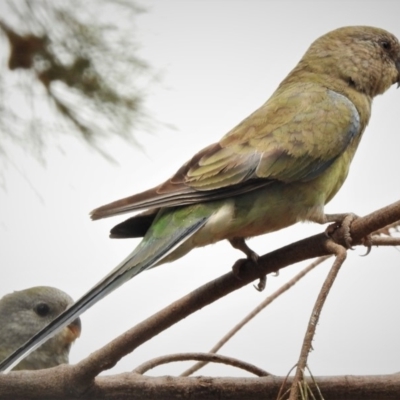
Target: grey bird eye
42	309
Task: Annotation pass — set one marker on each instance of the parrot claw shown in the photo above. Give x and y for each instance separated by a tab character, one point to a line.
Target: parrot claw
262	283
341	221
346	224
367	242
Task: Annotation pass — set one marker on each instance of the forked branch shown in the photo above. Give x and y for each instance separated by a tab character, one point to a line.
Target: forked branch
79	381
284	288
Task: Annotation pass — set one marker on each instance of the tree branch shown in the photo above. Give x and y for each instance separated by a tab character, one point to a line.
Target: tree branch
79	381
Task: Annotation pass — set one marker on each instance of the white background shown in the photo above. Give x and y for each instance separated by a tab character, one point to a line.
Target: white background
218	61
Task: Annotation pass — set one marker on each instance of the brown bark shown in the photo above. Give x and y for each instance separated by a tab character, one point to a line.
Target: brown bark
55	384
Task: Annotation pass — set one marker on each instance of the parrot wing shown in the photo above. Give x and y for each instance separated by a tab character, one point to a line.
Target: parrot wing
295	136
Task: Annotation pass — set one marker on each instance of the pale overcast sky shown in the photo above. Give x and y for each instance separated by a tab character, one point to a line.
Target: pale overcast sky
218	61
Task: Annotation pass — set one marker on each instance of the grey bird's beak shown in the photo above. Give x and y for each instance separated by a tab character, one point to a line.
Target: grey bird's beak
74	330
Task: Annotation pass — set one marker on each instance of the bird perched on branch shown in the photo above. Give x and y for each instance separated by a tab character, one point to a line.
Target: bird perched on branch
279	166
24	313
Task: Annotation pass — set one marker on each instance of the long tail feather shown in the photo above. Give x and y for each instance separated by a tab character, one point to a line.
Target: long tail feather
127	269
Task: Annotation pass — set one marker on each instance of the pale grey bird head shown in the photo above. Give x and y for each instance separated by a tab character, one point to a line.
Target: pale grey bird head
24	313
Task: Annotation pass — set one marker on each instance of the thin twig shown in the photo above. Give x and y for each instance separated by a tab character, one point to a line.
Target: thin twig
341	254
385	241
281	395
386	229
314	381
256	311
207	357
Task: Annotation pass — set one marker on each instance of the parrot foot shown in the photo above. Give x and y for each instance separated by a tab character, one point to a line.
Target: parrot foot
240	244
341	221
344	221
262	283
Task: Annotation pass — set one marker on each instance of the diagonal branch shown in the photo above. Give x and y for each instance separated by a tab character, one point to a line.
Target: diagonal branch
341	254
375	221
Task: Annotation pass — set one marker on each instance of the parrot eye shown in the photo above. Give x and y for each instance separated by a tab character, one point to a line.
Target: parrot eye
42	309
385	45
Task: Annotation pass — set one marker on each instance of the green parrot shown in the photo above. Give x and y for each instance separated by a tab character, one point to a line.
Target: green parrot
279	166
24	313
